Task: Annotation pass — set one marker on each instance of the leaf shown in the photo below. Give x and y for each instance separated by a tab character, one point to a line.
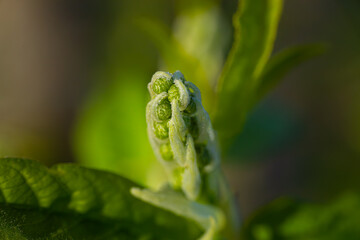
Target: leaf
73	202
283	62
255	25
201	213
288	219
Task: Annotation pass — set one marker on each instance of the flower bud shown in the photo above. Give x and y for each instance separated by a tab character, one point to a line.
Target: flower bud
174	93
163	110
161	129
161	82
179	76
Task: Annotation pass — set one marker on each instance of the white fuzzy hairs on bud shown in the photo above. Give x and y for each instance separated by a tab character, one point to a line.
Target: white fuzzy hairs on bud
188	127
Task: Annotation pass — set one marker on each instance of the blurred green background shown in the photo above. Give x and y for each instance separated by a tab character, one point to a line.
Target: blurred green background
73	76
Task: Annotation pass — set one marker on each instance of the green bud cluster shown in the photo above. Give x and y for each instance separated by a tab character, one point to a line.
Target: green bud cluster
174	93
163	110
180	132
161	129
162	84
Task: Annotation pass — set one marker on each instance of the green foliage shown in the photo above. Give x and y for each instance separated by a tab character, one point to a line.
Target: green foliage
288	219
283	62
73	202
255	30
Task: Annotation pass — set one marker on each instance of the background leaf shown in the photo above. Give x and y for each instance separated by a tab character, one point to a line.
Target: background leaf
111	130
73	202
175	57
195	44
255	29
283	62
288	219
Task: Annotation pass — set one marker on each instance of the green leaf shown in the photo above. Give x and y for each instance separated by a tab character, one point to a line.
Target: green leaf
288	219
255	25
283	62
73	202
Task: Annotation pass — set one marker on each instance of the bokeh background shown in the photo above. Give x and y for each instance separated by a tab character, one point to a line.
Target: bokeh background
73	77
